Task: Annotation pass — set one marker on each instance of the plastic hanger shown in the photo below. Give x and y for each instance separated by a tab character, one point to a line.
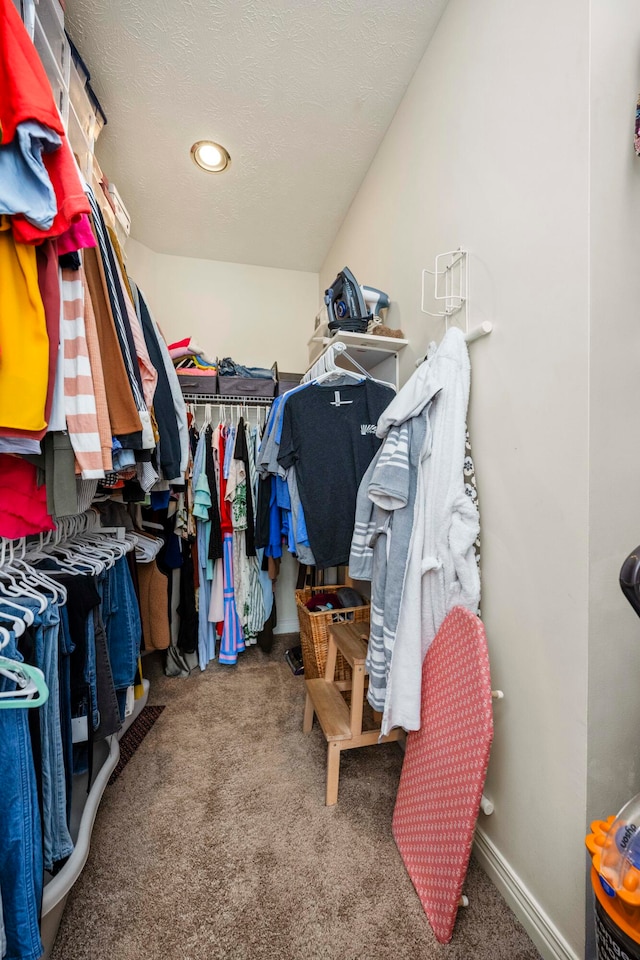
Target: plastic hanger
37	579
5	638
74	563
20	620
20	589
338	372
32	689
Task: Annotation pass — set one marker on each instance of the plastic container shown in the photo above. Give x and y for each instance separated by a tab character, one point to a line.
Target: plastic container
81	103
51	16
86	103
612	942
122	214
55	68
52	30
81	147
614	845
27	10
100	117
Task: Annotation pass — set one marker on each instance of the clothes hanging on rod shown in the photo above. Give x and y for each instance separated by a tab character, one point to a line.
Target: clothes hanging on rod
225	595
68	607
325	438
416	517
99	401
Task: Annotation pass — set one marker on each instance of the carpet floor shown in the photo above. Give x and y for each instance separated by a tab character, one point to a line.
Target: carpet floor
214	842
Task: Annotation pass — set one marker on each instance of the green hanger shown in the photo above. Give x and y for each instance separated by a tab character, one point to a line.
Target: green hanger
32	688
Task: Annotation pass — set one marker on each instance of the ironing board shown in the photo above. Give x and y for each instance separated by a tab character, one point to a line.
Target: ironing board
445	767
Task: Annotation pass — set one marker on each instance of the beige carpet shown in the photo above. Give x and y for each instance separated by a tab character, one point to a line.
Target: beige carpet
215	842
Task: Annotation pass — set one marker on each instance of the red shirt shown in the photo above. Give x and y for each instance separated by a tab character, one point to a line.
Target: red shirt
23	504
226	523
25	94
25	91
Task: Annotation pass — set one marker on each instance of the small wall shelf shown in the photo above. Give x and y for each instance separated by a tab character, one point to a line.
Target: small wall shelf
378	355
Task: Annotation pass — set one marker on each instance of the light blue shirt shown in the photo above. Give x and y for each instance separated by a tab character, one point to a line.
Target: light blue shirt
25	186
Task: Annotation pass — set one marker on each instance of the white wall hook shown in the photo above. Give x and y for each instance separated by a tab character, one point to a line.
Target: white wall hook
486	806
483	330
497	694
463	901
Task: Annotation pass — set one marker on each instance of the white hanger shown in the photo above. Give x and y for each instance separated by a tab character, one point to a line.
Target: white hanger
18	589
39	580
357	377
5	638
74	563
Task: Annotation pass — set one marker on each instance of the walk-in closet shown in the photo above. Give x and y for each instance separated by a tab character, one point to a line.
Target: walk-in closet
319	585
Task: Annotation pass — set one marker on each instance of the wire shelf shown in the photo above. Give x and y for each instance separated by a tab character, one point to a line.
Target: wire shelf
202	398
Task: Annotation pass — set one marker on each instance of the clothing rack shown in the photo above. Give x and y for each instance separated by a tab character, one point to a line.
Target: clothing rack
86	796
199	399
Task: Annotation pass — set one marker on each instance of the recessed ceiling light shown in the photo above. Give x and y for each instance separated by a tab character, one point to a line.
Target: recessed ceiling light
210	156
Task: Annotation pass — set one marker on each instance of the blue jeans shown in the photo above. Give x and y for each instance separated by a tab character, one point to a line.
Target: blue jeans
82	752
45	630
66	649
21	866
57	841
123	627
90	671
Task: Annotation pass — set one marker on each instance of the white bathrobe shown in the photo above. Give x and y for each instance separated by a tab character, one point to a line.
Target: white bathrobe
441	571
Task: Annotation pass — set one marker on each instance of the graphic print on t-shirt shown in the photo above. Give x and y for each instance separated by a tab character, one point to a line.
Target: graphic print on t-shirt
331	445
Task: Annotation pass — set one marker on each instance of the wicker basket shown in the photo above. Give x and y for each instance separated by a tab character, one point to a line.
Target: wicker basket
314	636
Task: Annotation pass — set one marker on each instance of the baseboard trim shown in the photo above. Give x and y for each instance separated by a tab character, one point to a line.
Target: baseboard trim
287	626
545	935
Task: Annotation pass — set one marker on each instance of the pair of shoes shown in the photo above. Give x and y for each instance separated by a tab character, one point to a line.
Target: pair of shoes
294	659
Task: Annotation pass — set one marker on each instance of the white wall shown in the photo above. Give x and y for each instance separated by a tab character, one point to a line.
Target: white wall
254	314
614	629
489	150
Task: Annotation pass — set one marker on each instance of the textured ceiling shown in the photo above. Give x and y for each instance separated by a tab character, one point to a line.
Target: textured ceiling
300	93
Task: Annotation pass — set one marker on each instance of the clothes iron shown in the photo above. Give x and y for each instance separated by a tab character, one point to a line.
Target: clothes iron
346	305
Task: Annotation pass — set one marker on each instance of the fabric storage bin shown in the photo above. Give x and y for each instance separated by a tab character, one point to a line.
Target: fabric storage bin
246	387
314	635
287	381
194	381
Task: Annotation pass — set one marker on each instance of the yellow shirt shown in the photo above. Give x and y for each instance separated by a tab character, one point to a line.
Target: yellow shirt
24	342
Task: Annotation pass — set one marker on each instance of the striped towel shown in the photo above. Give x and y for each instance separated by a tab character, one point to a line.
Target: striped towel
79	393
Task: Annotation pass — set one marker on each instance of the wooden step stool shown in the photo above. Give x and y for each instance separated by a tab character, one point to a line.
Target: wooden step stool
341	724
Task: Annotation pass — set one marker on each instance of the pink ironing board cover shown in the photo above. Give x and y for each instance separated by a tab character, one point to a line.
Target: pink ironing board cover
444	768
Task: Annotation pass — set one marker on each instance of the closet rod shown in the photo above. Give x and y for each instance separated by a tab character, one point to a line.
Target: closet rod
199	399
